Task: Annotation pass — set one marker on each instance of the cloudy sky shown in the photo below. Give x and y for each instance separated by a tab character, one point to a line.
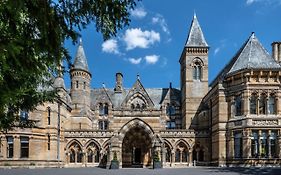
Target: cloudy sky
152	44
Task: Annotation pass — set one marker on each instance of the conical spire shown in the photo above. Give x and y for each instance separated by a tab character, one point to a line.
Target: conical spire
253	55
195	36
80	61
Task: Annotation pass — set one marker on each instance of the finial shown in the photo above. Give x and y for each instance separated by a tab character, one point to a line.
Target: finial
253	35
194	14
80	41
170	85
103	85
138	76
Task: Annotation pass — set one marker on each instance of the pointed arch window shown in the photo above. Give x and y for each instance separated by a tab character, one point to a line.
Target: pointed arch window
197	71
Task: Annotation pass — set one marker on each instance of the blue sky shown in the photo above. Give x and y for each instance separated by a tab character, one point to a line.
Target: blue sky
152	44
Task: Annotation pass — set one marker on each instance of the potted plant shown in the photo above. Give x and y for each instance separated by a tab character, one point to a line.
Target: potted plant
156	161
114	162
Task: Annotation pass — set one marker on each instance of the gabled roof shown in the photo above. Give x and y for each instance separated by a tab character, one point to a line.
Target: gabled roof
195	36
138	88
80	61
253	56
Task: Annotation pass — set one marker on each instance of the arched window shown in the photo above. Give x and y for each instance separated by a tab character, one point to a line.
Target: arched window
79	155
262	104
90	155
197	71
253	104
271	105
77	84
177	155
75	153
238	106
238	144
181	153
168	153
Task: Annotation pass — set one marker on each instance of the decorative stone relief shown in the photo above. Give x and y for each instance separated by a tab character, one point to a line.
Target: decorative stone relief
264	122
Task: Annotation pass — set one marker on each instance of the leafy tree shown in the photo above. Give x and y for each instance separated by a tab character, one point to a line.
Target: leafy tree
32	33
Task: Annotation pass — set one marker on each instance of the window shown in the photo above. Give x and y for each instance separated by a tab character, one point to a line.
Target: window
262	104
253	104
49	115
264	144
238	106
273	143
168	153
238	145
90	155
72	156
77	84
103	125
24	145
23	115
49	142
170	110
271	105
177	155
255	144
197	71
103	109
170	124
84	85
10	148
79	156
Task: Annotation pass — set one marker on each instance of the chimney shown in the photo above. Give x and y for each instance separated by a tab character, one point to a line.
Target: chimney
276	51
119	82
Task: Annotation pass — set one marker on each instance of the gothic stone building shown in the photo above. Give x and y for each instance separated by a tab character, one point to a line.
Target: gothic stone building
233	120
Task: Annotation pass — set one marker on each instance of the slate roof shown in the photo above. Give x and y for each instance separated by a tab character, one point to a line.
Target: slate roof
80	61
195	36
157	95
253	56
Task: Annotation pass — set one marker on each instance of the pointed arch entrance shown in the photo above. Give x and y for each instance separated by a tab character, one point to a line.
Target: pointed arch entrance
136	144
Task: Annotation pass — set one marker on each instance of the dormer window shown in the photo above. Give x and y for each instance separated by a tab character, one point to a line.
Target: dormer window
24	115
170	110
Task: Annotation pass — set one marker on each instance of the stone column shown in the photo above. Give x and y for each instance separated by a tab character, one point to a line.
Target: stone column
246	141
245	97
173	157
164	151
190	158
268	143
17	147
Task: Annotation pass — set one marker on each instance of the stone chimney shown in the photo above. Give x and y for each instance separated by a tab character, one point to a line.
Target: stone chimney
119	82
276	51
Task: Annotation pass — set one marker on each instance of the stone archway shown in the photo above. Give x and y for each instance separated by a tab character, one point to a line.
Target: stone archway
137	139
136	148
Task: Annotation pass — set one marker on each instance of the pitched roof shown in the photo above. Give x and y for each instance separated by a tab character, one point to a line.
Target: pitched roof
80	61
195	36
253	56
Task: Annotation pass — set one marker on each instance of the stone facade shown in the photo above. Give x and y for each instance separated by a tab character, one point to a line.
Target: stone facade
234	120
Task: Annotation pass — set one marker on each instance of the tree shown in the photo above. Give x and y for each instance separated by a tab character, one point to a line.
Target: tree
31	45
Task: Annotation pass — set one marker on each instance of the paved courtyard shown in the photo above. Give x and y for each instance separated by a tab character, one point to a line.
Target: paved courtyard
177	171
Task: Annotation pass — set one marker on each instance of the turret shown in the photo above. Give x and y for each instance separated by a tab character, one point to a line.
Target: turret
119	83
80	80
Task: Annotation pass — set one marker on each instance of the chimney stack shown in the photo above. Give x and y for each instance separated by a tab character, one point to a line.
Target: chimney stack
119	82
276	51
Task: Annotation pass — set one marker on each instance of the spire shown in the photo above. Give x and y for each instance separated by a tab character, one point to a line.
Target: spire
195	36
80	61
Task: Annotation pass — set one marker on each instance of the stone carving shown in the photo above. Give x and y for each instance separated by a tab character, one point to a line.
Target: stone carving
264	122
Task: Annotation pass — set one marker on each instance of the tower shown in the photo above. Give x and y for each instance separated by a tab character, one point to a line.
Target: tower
194	72
80	81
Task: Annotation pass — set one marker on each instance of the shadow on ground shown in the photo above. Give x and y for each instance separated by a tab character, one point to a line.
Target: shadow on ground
248	170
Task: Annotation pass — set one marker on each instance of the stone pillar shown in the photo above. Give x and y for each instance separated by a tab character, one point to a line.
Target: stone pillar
268	142
259	142
190	158
164	151
246	141
173	157
17	147
246	96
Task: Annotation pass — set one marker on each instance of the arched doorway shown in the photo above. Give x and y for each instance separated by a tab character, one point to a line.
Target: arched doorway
136	148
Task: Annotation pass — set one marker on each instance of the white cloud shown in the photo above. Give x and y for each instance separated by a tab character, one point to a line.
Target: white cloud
159	19
135	37
217	50
266	2
249	2
151	59
135	60
138	13
110	46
